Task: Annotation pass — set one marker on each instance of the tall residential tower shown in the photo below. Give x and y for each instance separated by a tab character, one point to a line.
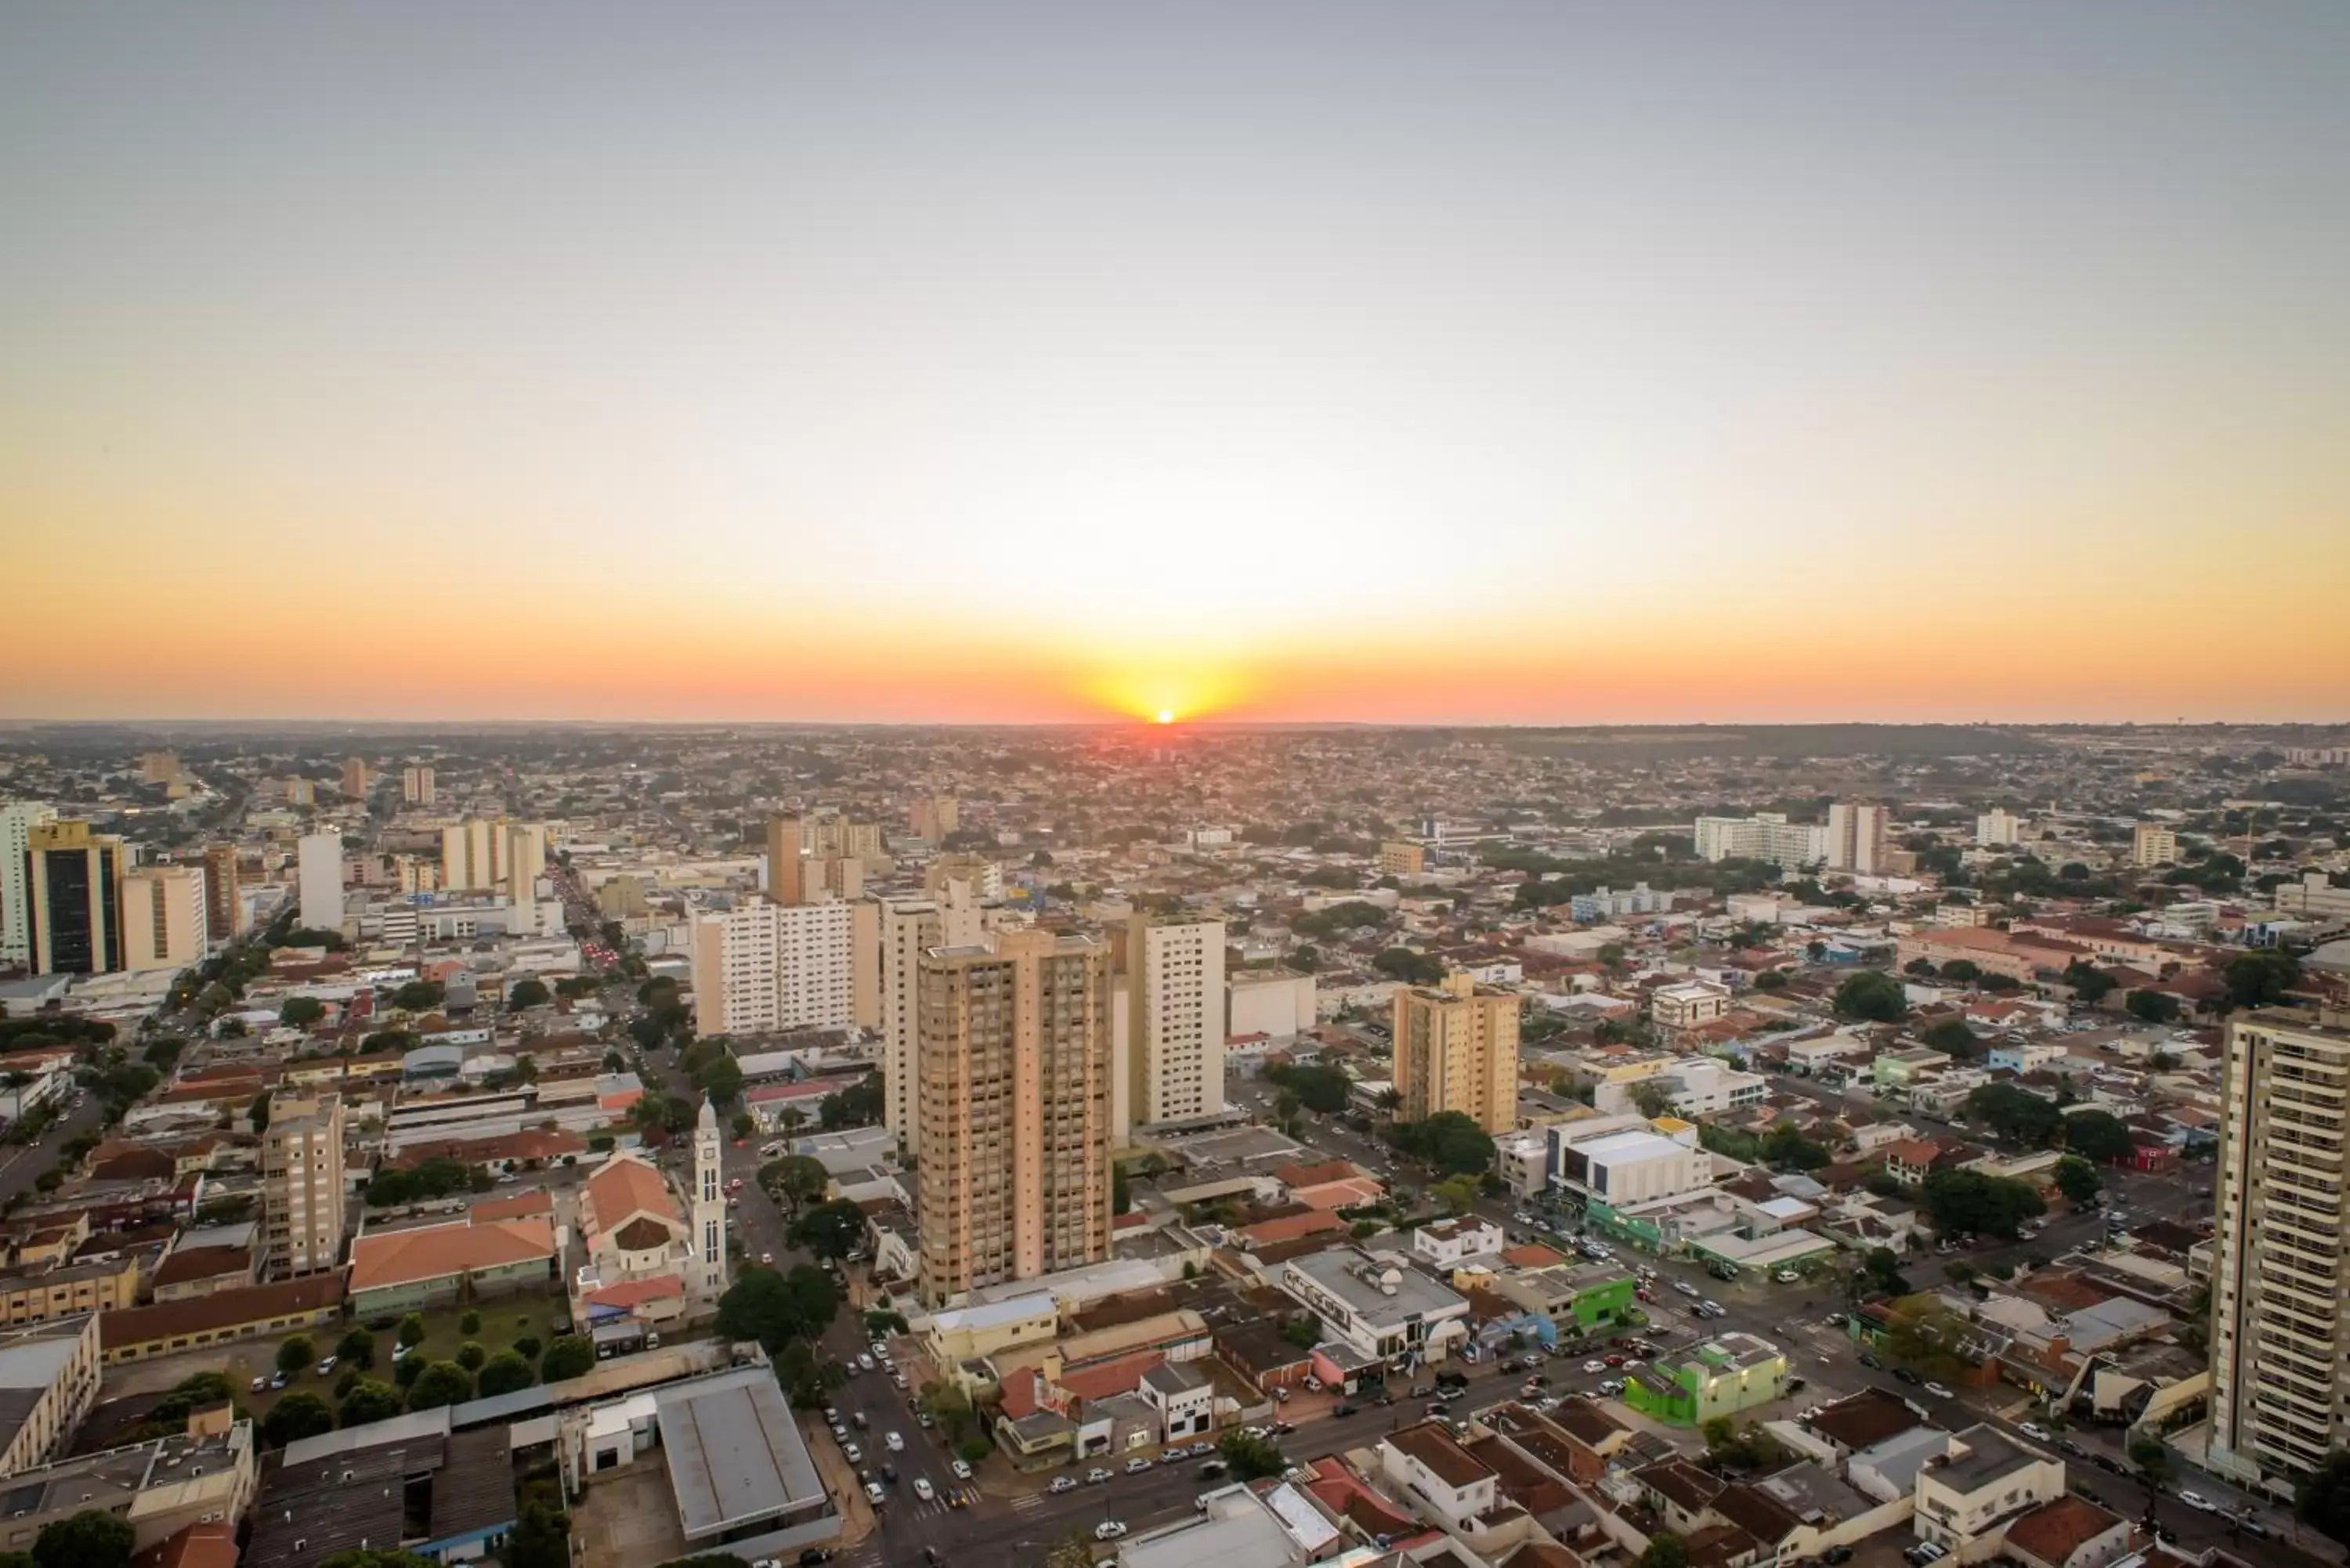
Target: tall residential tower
1456	1049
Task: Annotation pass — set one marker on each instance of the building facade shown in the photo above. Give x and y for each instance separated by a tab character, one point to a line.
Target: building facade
1766	836
17	820
165	923
223	894
302	1189
2280	1284
1456	1049
2151	844
1858	838
319	880
760	968
73	899
1173	1062
416	785
1013	1129
891	936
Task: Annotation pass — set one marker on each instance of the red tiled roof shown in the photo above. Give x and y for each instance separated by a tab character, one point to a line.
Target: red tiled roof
2060	1527
1119	1376
437	1252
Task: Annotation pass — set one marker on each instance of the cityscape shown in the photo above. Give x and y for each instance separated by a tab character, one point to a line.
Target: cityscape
1015	784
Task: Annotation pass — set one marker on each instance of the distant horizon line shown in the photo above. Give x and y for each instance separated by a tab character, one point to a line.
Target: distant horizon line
12	725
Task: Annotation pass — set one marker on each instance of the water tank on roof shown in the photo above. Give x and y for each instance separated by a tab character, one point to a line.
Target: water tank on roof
1391	1282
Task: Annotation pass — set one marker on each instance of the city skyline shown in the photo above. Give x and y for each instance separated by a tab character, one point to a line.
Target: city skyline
1038	363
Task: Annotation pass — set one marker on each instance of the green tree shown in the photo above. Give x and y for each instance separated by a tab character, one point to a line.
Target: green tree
1320	1089
2152	1460
356	1348
370	1399
1953	1037
1969	1201
1964	971
469	1324
2321	1501
1449	1140
571	1355
1457	1193
1871	995
418	996
411	1329
2017	1115
951	1408
2260	978
2089	983
504	1373
2077	1179
295	1416
367	1557
722	1081
442	1383
795	1180
1651	1099
2098	1135
528	993
1252	1457
472	1357
1121	1193
1409	967
257	1113
541	1538
2152	1006
831	1230
1664	1551
1785	1146
1304	1331
91	1539
296	1354
773	1308
301	1011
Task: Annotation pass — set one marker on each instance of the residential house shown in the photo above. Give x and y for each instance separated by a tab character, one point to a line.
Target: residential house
1989	1478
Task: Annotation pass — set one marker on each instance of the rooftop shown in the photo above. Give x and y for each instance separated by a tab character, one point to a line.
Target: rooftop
734	1454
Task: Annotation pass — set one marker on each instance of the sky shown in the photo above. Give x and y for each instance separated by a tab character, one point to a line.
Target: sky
1461	362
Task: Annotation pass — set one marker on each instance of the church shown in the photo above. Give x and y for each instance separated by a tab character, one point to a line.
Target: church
654	1258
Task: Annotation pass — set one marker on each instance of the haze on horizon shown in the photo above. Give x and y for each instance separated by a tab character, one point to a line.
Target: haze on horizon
1486	362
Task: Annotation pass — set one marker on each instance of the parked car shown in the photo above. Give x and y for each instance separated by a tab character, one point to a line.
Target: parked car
1938	1392
1137	1465
1063	1483
864	1362
1108	1530
1595	1366
1343	1410
1096	1476
924	1490
874	1494
2198	1502
1903	1375
852	1453
2034	1429
1786	1276
1685	1288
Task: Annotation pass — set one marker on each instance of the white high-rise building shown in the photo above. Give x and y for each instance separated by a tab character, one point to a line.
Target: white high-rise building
318	873
709	1207
1998	826
760	968
891	935
1767	837
17	819
1856	837
1168	1044
2280	1333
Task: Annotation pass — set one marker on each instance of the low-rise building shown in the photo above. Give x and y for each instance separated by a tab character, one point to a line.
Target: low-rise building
1721	1376
1396	1314
48	1382
431	1265
205	1476
1446	1244
1628	1165
46	1291
136	1334
1988	1479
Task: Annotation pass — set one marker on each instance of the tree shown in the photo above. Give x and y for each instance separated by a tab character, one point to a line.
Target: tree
1457	1193
879	1321
951	1408
1449	1140
528	993
1304	1331
795	1180
442	1383
1953	1037
1969	1201
2152	1006
831	1230
2323	1499
2098	1135
571	1355
1787	1147
370	1399
541	1537
301	1011
528	1347
1964	971
469	1324
2152	1460
295	1416
257	1113
1881	1271
91	1539
1121	1191
504	1373
358	1348
367	1557
411	1329
2077	1179
1872	996
773	1308
418	996
472	1357
1664	1551
1250	1457
1651	1098
722	1081
2089	983
296	1354
1409	967
2017	1115
1320	1089
2260	978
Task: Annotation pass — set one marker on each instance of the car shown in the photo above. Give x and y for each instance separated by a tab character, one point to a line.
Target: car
1835	1555
1063	1483
922	1419
1096	1476
1595	1364
1420	1391
832	1414
1714	1309
1613	1385
1283	1429
1797	1384
924	1490
1202	1449
839	1433
852	1453
1137	1465
1439	1408
962	1468
766	1260
2034	1431
2252	1526
864	1362
1345	1409
278	1380
1108	1530
1686	1288
2198	1502
1938	1392
259	1383
889	1474
1786	1276
1835	1320
812	1555
1215	1469
857	1420
1903	1375
327	1367
401	1353
1868	1359
897	1444
1646	1295
899	1378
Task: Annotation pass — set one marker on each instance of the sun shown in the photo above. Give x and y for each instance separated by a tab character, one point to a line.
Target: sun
1165	716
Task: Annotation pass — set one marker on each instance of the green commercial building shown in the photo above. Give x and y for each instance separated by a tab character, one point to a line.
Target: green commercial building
1577	1298
1723	1376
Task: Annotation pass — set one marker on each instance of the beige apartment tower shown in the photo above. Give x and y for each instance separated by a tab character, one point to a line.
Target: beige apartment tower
1401	857
1013	1139
416	785
2151	844
223	893
1170	1036
164	920
355	777
935	816
302	1192
785	879
1456	1049
2279	1331
889	937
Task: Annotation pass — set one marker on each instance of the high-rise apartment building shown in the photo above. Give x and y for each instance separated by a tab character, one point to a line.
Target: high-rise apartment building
1013	1139
2151	844
1169	1040
302	1195
355	777
17	820
1401	857
1998	826
164	918
223	893
159	767
2280	1333
760	968
1456	1049
525	862
935	816
473	855
785	883
301	792
416	785
1768	836
891	936
319	880
73	899
984	876
833	876
831	835
1858	838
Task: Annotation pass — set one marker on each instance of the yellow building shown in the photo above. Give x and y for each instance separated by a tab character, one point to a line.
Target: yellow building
164	920
1399	858
1456	1049
36	1293
355	776
784	875
2151	844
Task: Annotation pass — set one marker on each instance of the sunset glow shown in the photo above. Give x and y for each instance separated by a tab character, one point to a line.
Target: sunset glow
848	365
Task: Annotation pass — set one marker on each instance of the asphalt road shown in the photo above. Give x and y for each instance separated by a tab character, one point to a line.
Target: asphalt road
21	1167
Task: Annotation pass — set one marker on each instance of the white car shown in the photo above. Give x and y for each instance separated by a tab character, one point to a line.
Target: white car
923	1489
864	1362
897	1444
873	1493
1108	1530
1938	1391
2034	1430
1685	1288
2198	1502
1786	1276
852	1453
1595	1366
962	1470
1063	1483
1137	1465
